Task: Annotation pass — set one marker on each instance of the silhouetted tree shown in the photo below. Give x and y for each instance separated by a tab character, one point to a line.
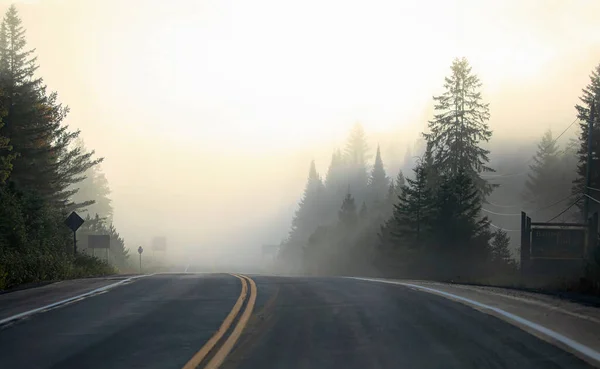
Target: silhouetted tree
546	182
6	157
589	108
460	125
356	156
412	214
46	162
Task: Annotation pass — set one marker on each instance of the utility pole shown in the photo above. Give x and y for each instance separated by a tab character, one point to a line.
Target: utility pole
588	167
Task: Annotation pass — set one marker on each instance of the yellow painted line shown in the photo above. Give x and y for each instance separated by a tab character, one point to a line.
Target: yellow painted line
220	356
200	355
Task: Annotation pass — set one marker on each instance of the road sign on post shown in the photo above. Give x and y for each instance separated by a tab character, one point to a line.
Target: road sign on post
159	244
99	241
140	250
74	221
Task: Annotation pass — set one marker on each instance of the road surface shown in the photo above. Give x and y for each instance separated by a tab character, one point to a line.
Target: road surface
186	320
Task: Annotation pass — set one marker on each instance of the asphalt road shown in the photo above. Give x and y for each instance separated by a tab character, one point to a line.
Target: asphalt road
163	321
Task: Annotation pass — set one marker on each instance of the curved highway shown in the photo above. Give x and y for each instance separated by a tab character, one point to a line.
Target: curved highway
248	322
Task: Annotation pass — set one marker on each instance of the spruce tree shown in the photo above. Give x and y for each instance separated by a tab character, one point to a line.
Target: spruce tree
544	184
347	214
460	231
6	157
119	254
45	160
589	101
93	193
411	219
356	156
336	182
500	252
399	184
363	214
460	125
378	182
309	214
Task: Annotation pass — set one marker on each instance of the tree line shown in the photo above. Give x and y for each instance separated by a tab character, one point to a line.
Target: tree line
45	173
434	222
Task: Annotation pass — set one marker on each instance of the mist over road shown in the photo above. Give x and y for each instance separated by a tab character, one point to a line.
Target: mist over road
167	320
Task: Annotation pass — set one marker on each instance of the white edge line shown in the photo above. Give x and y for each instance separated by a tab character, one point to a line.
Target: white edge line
585	350
70	299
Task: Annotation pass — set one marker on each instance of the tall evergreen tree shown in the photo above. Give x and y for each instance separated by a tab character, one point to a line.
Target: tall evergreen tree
6	157
461	234
45	162
500	252
399	184
544	185
347	214
378	182
412	215
309	213
460	125
93	195
356	156
589	100
363	214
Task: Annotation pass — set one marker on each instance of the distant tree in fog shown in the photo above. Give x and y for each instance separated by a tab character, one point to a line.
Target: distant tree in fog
460	125
347	213
378	186
93	193
356	156
546	181
309	214
500	252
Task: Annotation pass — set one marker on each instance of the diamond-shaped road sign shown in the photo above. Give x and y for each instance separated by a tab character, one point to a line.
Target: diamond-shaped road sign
140	250
74	221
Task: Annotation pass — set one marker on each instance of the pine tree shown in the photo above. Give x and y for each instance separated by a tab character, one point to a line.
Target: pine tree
45	162
543	185
364	212
460	231
347	214
459	125
590	101
356	156
119	254
93	195
500	252
6	157
378	182
412	215
309	213
400	183
336	182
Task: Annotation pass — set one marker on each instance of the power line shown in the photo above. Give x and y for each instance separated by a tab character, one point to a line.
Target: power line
502	206
504	214
531	158
564	211
504	229
594	189
534	211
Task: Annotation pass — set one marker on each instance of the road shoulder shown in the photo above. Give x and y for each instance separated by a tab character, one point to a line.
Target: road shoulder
577	322
20	301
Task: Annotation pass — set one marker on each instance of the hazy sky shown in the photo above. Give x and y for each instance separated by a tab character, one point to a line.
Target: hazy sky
207	112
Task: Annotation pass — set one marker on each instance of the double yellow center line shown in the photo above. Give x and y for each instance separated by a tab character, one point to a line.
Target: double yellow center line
218	358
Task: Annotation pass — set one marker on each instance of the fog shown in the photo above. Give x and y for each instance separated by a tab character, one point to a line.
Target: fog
208	113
